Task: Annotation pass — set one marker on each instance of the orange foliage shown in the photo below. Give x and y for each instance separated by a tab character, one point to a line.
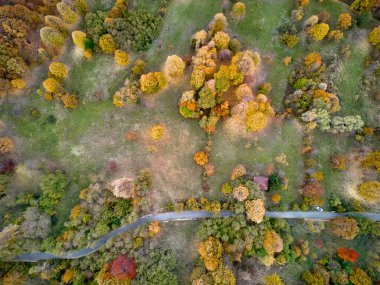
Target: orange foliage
347	254
201	158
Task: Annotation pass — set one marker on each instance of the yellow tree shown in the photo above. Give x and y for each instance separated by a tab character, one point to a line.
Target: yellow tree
238	10
174	67
370	191
67	13
107	43
319	31
374	37
152	82
79	39
58	70
344	21
121	57
211	251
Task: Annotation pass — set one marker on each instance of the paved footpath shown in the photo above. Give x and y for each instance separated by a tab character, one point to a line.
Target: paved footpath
179	216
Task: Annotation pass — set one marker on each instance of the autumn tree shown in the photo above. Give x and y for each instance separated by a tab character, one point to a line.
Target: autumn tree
157	132
107	43
319	31
211	251
347	254
201	158
51	37
370	191
153	82
345	228
372	160
374	37
344	21
79	39
221	40
123	268
67	13
272	242
6	145
359	277
50	84
58	70
238	10
255	210
121	57
173	67
81	6
273	279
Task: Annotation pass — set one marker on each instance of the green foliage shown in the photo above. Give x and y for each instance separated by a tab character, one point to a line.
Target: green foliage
94	25
368	227
52	186
4	180
134	30
156	269
274	182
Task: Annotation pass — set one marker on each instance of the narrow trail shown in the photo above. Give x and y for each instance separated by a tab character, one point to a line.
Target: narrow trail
179	216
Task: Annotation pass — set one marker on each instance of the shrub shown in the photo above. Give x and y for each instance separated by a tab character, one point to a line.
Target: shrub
221	40
274	183
273	279
319	31
127	95
69	101
201	158
289	40
18	83
157	132
174	67
370	191
81	6
51	85
67	13
121	57
4	181
51	37
152	82
6	145
107	43
238	10
79	39
344	21
138	67
234	46
372	160
374	37
335	35
58	70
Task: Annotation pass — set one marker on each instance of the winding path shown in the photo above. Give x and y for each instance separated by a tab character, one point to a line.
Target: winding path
179	216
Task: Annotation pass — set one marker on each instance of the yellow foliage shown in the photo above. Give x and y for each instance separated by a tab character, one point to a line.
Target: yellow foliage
107	44
201	158
79	39
211	251
50	85
69	101
198	76
75	212
6	145
174	67
344	21
370	191
257	114
273	279
318	176
204	57
319	31
81	6
58	70
335	35
87	54
223	276
68	276
152	82
303	3
154	228
121	57
374	37
238	10
255	210
138	67
51	37
157	132
276	198
66	13
287	60
18	83
240	193
272	243
311	58
372	160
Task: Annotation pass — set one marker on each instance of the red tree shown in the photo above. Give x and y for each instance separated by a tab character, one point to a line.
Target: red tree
123	267
347	254
313	189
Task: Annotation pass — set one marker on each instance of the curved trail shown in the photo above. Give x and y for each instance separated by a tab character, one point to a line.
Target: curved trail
179	216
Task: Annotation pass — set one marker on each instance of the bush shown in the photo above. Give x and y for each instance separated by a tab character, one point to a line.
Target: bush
234	46
289	40
370	191
58	70
107	43
51	37
138	67
274	182
18	83
79	39
201	158
51	85
374	37
152	82
69	101
344	21
67	13
174	67
238	10
121	57
319	31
